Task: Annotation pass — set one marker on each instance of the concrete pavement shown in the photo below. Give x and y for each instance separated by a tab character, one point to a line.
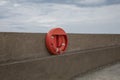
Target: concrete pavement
111	72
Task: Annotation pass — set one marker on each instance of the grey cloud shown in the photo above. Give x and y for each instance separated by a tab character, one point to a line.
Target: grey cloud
73	2
109	2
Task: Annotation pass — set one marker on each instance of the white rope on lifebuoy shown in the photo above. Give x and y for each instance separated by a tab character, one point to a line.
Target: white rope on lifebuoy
63	44
57	49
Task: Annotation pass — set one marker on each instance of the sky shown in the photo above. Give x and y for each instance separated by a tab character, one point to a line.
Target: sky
74	16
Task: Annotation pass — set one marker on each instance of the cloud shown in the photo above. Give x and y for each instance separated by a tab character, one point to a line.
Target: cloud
2	2
40	17
90	2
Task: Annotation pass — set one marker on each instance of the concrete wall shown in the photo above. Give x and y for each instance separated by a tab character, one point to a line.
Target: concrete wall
22	46
63	67
19	46
23	56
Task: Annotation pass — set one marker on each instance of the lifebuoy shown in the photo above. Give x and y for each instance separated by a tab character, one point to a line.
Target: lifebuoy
56	41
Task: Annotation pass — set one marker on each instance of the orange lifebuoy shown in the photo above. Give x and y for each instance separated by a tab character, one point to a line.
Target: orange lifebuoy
56	41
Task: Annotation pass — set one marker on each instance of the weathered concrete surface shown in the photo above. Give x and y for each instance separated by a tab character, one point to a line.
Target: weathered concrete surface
62	67
23	56
22	46
108	73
